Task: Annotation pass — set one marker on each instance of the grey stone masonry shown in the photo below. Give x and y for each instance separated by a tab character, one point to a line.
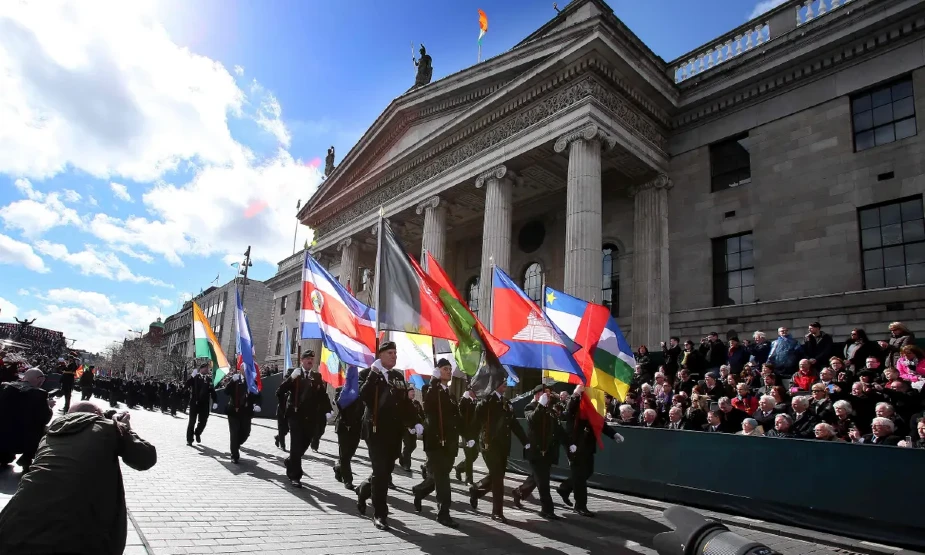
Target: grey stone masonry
650	262
434	239
349	254
496	234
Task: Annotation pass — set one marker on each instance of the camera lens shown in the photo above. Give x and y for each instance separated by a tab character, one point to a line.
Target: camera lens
724	542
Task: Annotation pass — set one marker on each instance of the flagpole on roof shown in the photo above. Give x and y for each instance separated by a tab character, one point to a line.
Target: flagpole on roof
379	231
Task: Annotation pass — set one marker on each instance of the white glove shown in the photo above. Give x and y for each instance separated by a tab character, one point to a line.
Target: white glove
544	399
257	408
618	438
468	395
418	429
296	373
411	431
579	389
470	444
328	416
195	372
214	406
527	446
238	377
572	448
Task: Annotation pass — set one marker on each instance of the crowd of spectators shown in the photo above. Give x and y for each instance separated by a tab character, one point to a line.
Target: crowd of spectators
857	390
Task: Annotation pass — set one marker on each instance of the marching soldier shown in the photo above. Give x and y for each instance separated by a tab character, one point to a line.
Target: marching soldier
410	439
323	411
347	426
388	413
304	387
582	456
441	443
545	435
242	404
469	431
282	400
86	384
495	419
68	373
201	393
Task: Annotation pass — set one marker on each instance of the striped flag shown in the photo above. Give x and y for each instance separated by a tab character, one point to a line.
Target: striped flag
207	345
415	357
330	368
483	25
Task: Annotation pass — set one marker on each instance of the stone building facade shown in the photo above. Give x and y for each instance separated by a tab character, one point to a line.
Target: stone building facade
773	176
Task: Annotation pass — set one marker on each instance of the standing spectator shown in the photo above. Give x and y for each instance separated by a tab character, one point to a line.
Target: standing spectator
77	465
900	336
785	352
693	360
644	361
818	346
760	349
25	409
713	351
672	354
858	349
736	356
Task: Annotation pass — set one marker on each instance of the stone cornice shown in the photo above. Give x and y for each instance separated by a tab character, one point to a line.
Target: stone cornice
587	132
577	84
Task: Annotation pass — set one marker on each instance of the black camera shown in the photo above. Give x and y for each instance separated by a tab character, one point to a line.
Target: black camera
694	534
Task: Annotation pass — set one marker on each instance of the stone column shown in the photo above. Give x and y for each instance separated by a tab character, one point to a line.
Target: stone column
650	263
349	258
434	240
496	231
583	238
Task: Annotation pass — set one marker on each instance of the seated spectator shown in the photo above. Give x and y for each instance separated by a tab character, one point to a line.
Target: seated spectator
731	415
918	442
650	419
842	374
781	398
844	420
744	400
769	381
751	376
685	382
713	389
697	413
803	418
76	469
804	377
676	420
750	427
766	414
870	373
886	410
825	432
715	423
821	405
863	399
627	416
883	433
782	425
732	382
827	379
911	363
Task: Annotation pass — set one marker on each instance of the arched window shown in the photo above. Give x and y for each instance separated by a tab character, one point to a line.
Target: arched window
472	294
533	282
610	285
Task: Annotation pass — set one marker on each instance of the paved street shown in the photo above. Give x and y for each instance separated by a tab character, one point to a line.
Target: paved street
195	500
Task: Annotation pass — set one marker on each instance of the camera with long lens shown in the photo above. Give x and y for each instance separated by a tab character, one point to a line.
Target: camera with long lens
694	534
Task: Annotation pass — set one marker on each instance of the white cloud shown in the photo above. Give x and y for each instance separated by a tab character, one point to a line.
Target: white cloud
764	6
239	70
129	251
121	191
90	262
25	187
96	302
39	212
8	310
20	254
23	293
162	302
269	114
92	201
70	195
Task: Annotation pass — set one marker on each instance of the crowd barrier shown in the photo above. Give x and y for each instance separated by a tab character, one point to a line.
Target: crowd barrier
872	493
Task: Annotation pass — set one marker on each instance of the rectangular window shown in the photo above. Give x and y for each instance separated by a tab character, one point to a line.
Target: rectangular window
298	301
733	270
730	163
279	343
282	305
294	343
883	115
893	243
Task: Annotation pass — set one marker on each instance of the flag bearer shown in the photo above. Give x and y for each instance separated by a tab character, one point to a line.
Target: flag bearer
242	404
202	394
302	390
545	436
441	442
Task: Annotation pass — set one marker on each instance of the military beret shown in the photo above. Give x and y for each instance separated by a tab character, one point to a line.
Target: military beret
203	365
308	353
443	362
385	346
539	389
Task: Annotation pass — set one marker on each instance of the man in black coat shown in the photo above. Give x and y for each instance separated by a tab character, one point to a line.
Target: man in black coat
495	419
388	415
202	394
323	409
410	439
86	384
304	388
25	409
545	436
68	373
282	400
469	432
441	442
347	426
242	404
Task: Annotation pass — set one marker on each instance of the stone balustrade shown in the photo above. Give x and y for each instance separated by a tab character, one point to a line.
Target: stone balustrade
810	10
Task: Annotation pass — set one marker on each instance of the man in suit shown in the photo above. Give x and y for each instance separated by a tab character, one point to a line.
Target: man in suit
469	432
544	435
495	419
388	414
715	423
201	393
347	426
304	388
242	404
882	433
441	442
676	420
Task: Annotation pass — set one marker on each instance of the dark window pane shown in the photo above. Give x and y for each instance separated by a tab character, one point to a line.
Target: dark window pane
870	238
891	214
894	277
873	279
903	108
732	245
748	277
883	115
891	234
864	140
734	295
881	97
902	90
905	128
893	256
608	266
913	231
733	262
915	253
870	218
746	259
873	259
884	135
734	279
912	210
861	104
748	295
915	274
863	121
746	242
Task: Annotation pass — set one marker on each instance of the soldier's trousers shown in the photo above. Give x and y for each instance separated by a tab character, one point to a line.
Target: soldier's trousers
409	443
465	466
319	425
347	443
301	431
541	481
494	482
382	460
282	430
439	466
200	413
86	393
581	469
239	429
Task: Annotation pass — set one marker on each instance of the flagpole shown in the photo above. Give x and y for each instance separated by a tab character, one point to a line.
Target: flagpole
296	232
379	231
480	52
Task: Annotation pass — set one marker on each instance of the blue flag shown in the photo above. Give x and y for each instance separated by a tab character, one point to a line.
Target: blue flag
351	390
287	360
245	346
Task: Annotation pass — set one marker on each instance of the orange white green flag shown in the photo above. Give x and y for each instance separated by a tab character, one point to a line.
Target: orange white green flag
483	25
207	345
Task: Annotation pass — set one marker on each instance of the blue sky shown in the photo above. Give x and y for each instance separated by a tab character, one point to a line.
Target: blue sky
146	144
